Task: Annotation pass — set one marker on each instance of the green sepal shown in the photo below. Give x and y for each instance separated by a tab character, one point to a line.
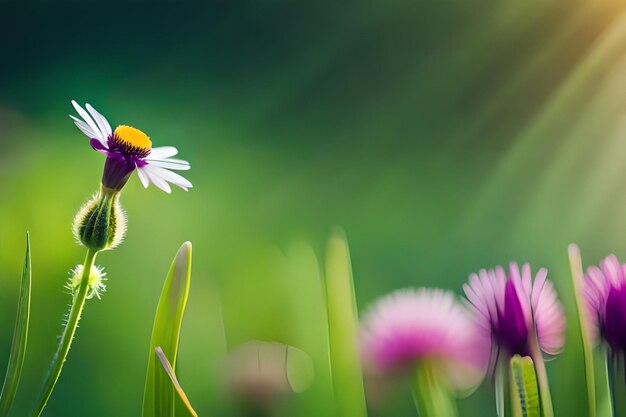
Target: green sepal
101	224
525	392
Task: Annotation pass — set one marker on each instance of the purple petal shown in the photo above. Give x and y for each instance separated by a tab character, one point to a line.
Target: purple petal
512	329
98	146
615	319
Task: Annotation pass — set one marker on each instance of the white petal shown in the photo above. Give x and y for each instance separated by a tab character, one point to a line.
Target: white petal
84	128
102	122
174	160
90	122
161	184
164	163
143	177
156	179
169	176
163	152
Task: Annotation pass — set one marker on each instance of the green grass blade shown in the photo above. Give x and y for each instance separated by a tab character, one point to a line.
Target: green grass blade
308	327
525	381
343	328
20	337
576	267
159	398
167	368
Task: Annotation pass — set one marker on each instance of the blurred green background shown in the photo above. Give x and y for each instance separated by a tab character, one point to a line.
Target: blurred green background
442	136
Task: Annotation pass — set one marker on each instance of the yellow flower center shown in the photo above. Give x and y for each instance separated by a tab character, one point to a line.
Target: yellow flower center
133	138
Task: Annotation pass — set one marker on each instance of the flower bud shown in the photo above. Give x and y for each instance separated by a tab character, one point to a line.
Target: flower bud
101	223
95	284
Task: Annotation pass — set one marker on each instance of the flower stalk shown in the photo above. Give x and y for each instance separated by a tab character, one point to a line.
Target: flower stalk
431	397
542	377
611	374
501	377
78	303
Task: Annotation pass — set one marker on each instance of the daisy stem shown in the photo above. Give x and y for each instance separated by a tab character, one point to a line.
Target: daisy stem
67	336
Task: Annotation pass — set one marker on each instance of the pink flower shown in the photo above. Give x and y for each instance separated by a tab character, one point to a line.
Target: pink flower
412	325
605	295
519	315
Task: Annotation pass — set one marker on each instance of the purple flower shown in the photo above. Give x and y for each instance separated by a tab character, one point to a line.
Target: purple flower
409	326
520	316
128	149
605	295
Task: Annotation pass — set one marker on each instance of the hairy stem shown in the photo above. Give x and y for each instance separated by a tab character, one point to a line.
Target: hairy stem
67	336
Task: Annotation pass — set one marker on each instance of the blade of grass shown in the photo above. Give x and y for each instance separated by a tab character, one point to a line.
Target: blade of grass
308	326
343	328
159	393
576	267
167	367
20	338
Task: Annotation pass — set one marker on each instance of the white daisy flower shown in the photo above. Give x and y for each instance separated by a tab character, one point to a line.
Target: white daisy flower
129	149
